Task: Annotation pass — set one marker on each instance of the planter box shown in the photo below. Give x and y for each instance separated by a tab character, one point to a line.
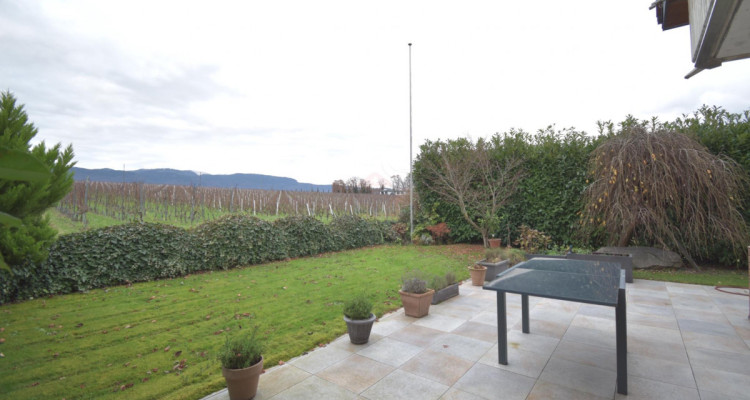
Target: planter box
494	268
445	293
494	243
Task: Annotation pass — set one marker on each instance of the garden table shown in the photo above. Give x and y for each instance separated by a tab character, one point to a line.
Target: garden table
583	281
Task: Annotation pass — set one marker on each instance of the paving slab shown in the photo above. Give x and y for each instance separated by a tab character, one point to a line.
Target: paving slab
684	342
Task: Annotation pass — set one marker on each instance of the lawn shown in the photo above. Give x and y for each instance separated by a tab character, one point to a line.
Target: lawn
158	339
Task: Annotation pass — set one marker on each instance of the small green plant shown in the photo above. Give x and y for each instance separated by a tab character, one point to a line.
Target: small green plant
358	307
438	282
493	255
450	278
414	282
241	351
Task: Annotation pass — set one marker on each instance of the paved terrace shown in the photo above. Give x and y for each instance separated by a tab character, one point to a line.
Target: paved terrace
684	342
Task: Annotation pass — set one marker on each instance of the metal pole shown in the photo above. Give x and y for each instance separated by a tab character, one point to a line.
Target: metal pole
411	178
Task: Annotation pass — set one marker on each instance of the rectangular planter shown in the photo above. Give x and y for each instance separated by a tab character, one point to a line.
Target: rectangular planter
494	268
445	293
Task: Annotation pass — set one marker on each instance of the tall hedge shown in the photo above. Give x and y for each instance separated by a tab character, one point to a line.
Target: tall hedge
549	196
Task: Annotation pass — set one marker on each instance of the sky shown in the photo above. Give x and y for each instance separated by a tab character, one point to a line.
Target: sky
319	90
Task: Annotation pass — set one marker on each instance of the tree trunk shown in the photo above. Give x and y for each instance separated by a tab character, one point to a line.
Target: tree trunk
626	234
683	251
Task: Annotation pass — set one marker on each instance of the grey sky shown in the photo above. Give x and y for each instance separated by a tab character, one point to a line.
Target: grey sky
318	91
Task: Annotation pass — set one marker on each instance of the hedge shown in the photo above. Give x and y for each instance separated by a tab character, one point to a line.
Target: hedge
138	252
549	197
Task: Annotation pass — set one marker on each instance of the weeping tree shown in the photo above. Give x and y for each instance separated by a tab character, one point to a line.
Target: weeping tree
466	175
664	187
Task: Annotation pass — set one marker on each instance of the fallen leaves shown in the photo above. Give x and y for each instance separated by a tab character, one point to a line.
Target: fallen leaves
167	348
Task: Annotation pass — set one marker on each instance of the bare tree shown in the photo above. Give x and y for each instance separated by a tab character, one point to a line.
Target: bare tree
467	175
397	183
667	188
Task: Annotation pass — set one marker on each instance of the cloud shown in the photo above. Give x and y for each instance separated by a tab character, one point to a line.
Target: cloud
320	91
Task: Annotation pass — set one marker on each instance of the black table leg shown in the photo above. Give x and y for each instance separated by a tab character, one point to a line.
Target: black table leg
525	313
502	330
622	343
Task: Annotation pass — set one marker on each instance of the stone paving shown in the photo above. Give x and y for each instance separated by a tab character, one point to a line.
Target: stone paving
684	342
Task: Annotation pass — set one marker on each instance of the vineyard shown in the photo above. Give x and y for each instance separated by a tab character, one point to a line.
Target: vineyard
193	205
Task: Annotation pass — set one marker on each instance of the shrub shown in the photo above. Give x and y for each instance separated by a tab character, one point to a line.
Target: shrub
493	255
450	278
120	254
358	307
236	240
414	282
401	231
241	351
353	232
438	282
305	236
531	240
439	232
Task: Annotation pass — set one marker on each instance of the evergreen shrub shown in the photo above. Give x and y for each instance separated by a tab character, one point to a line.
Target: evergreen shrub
305	236
236	240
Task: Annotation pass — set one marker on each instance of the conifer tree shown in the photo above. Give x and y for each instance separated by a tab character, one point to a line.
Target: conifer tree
23	196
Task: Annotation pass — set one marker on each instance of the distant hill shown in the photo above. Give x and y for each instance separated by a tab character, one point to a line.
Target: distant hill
187	178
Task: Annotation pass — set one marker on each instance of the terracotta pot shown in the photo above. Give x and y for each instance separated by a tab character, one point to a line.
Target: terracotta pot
359	329
477	274
494	243
416	305
242	384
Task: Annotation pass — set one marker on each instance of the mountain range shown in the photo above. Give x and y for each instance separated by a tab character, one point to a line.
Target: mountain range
167	176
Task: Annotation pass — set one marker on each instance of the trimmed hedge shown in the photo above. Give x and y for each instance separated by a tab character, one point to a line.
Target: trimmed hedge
306	236
145	251
235	240
352	232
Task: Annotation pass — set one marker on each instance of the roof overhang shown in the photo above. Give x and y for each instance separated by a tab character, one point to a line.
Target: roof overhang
719	29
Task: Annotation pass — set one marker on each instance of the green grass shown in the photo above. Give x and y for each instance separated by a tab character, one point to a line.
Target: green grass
712	276
122	342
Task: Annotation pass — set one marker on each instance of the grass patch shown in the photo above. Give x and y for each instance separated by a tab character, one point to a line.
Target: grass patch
712	276
132	340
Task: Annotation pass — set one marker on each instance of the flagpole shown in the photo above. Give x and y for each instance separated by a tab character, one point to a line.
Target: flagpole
411	162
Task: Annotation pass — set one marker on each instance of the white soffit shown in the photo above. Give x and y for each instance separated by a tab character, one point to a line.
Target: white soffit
737	40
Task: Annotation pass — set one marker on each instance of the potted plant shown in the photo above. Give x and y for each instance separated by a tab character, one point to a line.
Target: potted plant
445	287
359	318
494	242
477	272
242	363
415	296
494	262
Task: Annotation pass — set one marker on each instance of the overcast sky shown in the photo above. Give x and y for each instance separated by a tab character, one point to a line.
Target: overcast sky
319	90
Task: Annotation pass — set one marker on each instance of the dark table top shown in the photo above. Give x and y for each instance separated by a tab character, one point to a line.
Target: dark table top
594	282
